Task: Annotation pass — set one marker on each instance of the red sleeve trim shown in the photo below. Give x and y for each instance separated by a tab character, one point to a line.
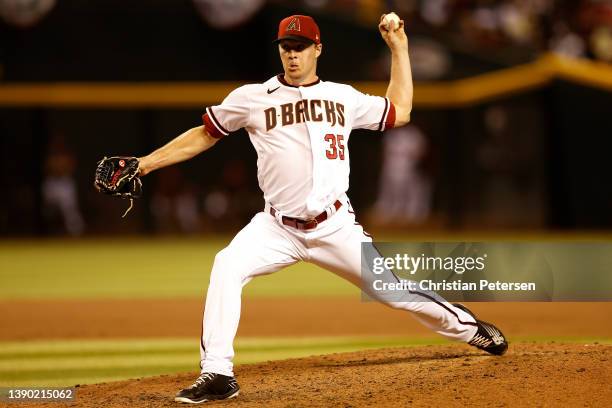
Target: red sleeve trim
390	122
384	115
211	128
216	121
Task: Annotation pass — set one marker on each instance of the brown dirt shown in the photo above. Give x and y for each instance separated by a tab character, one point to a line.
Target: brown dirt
529	374
61	319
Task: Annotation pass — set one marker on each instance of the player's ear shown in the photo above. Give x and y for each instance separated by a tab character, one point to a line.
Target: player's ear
318	49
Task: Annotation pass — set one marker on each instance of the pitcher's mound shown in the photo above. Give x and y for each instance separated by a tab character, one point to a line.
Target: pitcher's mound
530	374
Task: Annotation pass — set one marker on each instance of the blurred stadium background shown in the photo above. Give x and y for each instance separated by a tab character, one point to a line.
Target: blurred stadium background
525	148
511	134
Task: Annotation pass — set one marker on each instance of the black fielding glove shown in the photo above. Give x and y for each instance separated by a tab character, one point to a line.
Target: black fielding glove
118	176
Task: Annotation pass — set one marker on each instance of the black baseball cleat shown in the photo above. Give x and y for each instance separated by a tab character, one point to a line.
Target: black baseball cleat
488	337
209	387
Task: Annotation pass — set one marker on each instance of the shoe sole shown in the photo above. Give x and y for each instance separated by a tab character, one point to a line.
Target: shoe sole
189	401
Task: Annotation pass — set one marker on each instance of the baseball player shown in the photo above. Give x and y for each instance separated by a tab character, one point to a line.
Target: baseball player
300	127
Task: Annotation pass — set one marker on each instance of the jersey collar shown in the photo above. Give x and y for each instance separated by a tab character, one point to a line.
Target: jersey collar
281	79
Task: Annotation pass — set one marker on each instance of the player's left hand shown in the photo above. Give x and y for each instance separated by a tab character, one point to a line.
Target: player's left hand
118	176
395	37
114	176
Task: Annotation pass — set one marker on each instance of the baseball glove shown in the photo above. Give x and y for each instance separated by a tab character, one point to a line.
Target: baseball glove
118	176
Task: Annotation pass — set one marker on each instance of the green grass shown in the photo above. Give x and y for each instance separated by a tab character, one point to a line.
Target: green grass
150	268
70	362
139	268
172	267
63	363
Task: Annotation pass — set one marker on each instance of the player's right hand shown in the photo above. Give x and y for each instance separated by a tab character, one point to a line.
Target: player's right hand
395	38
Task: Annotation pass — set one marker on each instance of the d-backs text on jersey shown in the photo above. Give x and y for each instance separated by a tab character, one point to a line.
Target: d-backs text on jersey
305	110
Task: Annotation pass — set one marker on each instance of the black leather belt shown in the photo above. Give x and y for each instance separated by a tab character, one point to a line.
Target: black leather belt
305	224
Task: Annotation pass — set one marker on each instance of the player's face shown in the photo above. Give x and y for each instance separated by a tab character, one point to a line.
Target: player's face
299	60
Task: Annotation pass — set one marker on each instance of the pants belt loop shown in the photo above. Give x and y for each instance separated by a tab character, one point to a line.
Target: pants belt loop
331	210
279	216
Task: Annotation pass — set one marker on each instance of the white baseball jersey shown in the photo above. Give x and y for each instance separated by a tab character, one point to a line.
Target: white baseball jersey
301	136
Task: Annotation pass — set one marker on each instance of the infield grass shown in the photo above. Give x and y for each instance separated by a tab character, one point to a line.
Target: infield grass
175	267
70	362
171	267
139	268
64	363
150	268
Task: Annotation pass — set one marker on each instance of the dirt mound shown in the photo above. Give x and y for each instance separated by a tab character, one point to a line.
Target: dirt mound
530	374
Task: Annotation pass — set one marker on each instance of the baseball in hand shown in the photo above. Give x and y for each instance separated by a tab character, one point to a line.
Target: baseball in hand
390	18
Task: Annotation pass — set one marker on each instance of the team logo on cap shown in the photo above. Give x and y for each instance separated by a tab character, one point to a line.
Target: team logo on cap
294	25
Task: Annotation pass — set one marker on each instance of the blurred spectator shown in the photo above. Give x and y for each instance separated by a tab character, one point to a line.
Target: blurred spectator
436	12
233	203
405	190
566	42
595	21
601	43
519	28
477	27
510	161
174	204
429	60
25	13
225	14
517	22
59	191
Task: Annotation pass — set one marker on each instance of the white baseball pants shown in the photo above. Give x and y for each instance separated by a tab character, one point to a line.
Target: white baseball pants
265	246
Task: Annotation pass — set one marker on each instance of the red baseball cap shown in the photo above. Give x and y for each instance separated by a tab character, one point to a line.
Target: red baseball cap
299	28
